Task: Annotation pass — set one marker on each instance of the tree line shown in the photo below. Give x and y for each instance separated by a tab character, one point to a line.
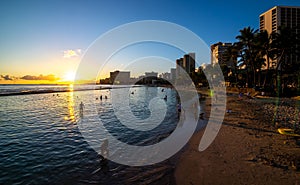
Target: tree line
265	61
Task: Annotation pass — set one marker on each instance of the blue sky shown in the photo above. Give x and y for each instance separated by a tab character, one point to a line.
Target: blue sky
35	34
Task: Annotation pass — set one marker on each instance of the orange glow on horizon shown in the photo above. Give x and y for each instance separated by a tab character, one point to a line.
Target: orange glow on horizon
69	77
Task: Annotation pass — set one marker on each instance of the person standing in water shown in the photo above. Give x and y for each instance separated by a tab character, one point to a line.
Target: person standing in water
81	106
178	109
104	149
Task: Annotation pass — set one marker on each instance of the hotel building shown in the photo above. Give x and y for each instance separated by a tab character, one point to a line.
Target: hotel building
218	54
281	16
120	77
187	63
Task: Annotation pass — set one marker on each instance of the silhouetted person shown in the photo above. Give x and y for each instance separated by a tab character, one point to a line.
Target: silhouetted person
105	154
201	116
81	106
240	95
195	108
181	116
178	110
105	97
101	97
104	148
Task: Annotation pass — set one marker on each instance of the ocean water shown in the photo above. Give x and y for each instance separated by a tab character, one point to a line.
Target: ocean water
40	142
10	89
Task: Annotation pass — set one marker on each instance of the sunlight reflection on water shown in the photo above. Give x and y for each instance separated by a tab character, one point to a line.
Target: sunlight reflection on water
41	144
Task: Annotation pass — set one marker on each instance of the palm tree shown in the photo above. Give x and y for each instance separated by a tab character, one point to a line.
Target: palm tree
259	61
265	44
247	39
231	54
285	44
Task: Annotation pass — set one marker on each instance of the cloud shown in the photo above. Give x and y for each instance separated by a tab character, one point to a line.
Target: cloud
40	77
70	53
6	77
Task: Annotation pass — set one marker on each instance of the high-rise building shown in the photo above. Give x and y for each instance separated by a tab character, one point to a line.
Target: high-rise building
166	76
150	77
173	74
151	74
288	16
179	67
189	62
218	52
120	77
281	16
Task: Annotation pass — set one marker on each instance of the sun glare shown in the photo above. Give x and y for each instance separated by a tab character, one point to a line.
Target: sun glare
69	76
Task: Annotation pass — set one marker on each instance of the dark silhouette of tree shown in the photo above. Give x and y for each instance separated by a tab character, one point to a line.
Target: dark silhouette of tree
248	51
257	49
200	77
265	44
285	44
230	55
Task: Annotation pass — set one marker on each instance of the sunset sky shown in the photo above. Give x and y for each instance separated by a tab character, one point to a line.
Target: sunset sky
43	41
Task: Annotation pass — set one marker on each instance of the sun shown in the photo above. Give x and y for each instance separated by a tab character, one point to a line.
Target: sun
69	76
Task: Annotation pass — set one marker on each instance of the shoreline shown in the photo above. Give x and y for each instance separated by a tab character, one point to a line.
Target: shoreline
247	150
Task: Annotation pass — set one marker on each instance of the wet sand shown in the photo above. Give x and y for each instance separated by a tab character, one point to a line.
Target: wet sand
247	150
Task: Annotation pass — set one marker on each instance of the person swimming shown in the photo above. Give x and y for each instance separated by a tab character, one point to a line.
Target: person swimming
166	97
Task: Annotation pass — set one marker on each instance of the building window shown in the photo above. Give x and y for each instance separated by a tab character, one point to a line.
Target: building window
262	22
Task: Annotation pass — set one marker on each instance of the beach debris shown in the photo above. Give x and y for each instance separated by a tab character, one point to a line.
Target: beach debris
229	111
284	113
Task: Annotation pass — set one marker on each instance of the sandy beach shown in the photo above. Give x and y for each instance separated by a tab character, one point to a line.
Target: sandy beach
247	150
